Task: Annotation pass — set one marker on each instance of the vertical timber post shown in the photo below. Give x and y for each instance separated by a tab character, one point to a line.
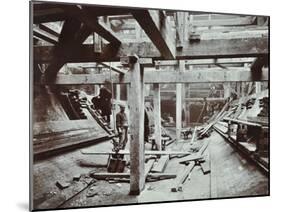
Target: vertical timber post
227	90
258	87
179	103
157	115
117	92
178	110
136	127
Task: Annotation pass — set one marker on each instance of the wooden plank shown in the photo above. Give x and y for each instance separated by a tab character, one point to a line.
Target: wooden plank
158	29
203	148
206	61
211	75
104	175
147	167
193	157
161	164
205	166
126	152
242	122
182	178
136	103
220	48
225	22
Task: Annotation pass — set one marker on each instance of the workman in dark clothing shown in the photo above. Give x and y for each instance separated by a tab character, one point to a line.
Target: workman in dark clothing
102	102
146	127
122	127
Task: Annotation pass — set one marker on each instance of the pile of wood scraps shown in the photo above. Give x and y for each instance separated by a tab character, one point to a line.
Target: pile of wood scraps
200	158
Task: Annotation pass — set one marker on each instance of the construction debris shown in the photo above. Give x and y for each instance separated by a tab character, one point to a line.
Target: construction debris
182	178
161	164
62	185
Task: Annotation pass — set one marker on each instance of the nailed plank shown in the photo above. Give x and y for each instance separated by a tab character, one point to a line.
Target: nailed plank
158	29
161	164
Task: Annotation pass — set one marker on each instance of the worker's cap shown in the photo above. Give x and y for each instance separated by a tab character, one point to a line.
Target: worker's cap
122	106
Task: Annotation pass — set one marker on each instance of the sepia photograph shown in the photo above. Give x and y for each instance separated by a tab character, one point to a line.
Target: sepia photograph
144	105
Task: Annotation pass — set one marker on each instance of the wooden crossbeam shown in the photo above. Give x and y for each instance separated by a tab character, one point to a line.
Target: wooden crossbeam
71	37
158	29
50	12
48	15
225	22
210	75
206	61
226	48
87	16
40	34
49	30
113	68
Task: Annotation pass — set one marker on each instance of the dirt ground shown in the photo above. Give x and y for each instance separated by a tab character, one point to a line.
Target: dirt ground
230	176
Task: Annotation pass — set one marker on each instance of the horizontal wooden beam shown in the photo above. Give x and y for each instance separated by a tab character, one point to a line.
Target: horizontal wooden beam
240	21
204	75
226	48
206	61
210	75
158	29
48	15
207	99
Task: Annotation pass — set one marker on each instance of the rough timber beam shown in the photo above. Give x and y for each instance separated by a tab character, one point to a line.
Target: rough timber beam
158	29
136	104
226	48
71	37
87	16
210	75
